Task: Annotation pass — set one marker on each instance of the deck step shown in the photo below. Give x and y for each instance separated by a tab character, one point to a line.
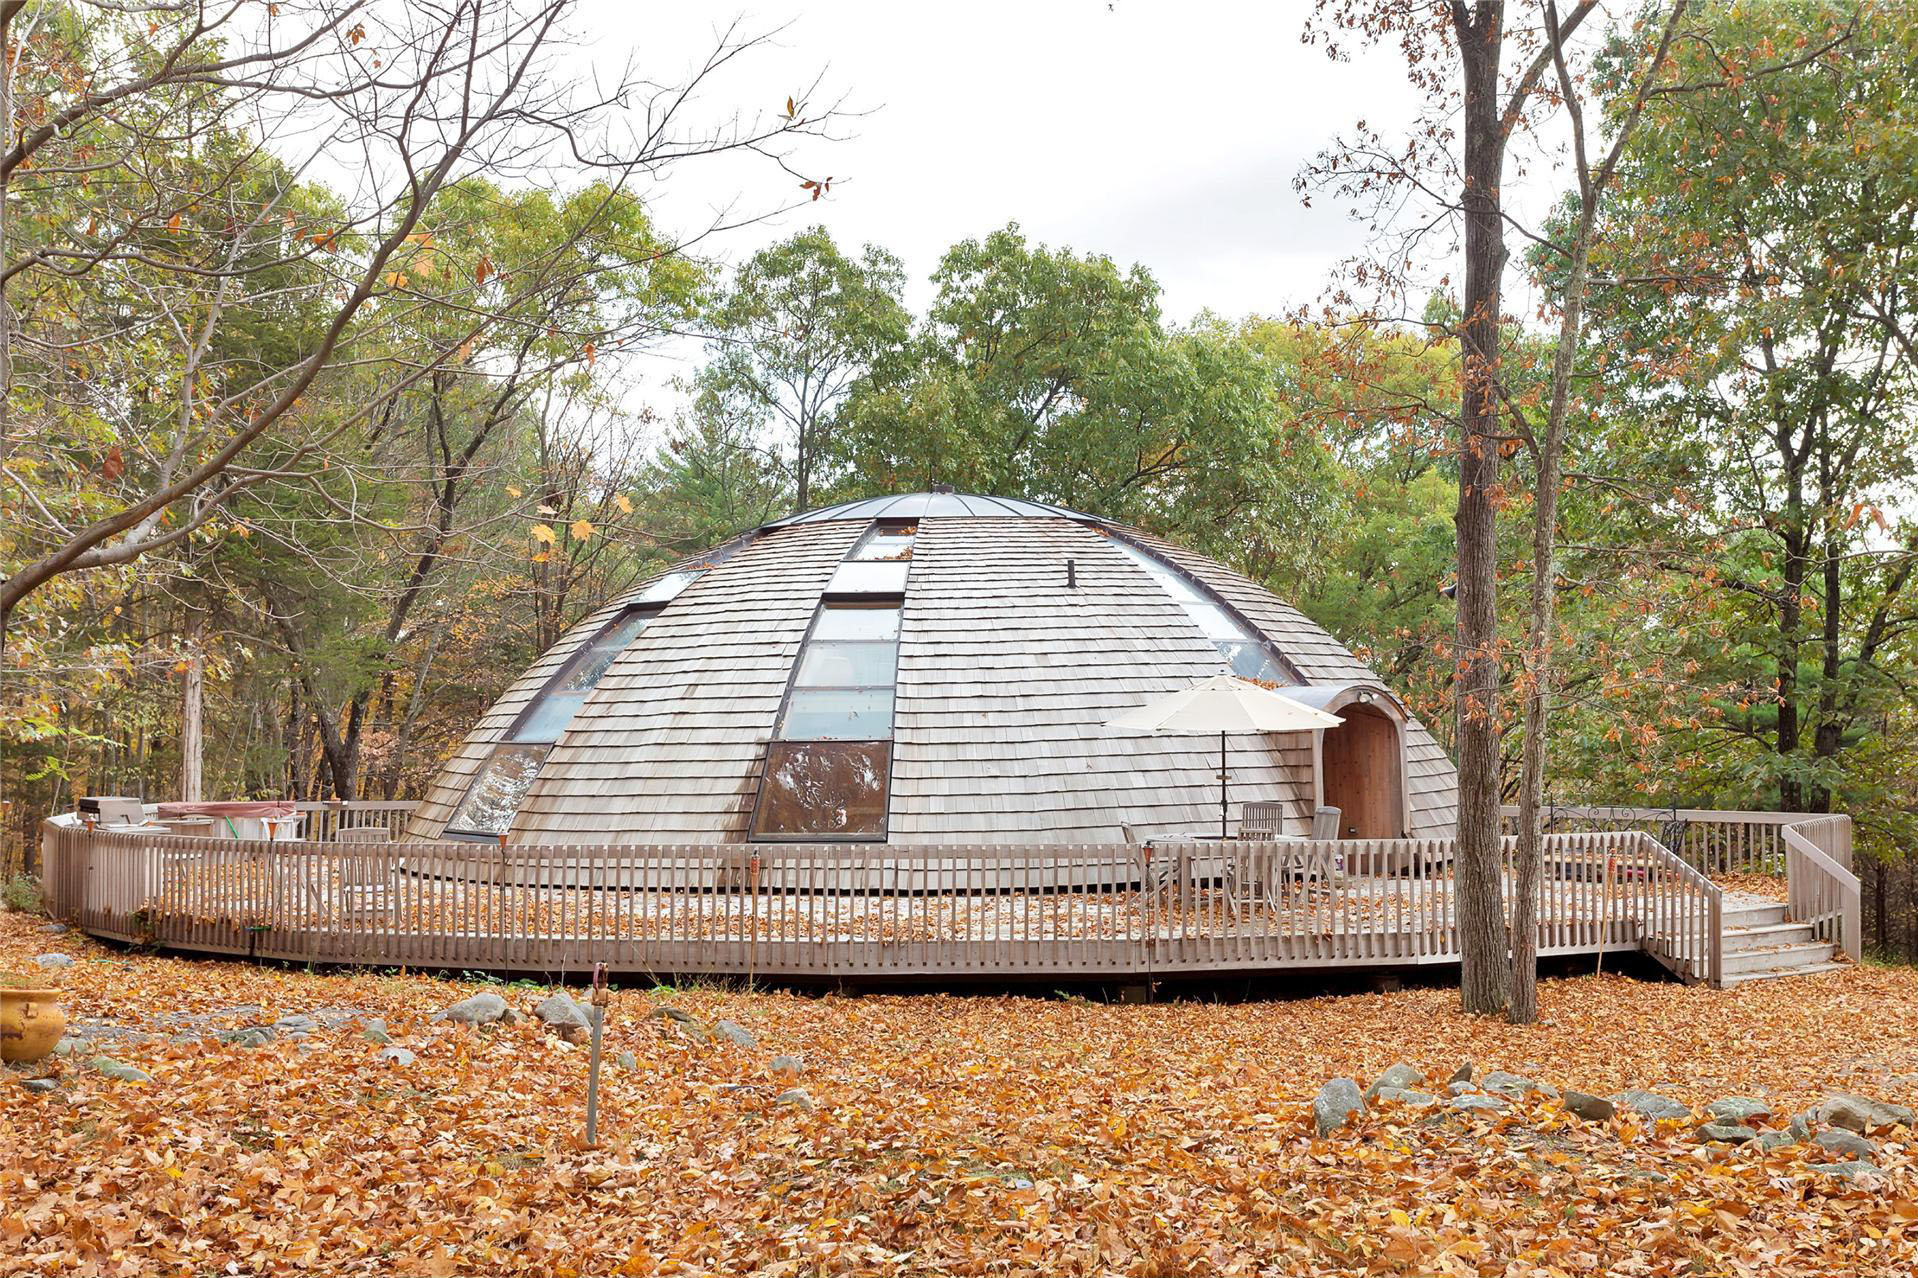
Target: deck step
1768	957
1753	915
1767	935
1778	973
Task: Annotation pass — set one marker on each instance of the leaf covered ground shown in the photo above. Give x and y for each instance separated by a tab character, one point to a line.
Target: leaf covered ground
946	1134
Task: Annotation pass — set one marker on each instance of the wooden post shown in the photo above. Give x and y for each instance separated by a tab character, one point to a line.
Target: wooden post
192	719
592	1067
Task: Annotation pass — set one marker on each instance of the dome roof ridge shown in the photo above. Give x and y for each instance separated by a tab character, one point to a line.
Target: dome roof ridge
938	504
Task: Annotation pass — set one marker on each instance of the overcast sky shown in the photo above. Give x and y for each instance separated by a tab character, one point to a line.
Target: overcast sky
1162	133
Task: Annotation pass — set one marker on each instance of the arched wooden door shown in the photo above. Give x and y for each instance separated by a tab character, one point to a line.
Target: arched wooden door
1362	773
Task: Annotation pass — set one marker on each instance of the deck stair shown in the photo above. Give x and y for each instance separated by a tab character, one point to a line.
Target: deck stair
1762	944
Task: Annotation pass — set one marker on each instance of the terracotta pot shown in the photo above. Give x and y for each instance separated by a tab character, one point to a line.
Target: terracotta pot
30	1023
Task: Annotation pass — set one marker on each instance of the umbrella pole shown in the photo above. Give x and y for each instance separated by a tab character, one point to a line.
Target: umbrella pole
1222	784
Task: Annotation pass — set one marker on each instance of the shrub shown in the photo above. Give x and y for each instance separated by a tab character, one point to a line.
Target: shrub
21	892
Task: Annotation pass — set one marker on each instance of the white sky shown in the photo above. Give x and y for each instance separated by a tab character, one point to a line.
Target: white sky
1157	132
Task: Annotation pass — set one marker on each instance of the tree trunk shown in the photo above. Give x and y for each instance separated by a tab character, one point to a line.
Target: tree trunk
1484	969
192	710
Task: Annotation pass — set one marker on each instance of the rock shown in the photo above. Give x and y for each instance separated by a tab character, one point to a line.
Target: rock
1475	1101
120	1070
375	1030
67	1047
1849	1143
1858	1114
296	1025
397	1056
481	1009
734	1033
1776	1140
788	1066
1463	1074
1406	1096
1848	1170
41	1085
1516	1086
797	1096
56	962
1594	1109
1800	1126
1651	1104
52	929
1729	1133
627	1060
1460	1087
667	1012
246	1036
1335	1104
1738	1109
1399	1077
510	1017
558	1008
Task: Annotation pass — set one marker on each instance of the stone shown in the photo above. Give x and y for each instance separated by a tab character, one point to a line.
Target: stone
246	1036
1516	1086
481	1009
1595	1109
1848	1170
1849	1143
1476	1101
56	962
296	1025
1769	1141
667	1012
1461	1087
375	1030
788	1066
1463	1074
1335	1104
627	1060
795	1096
120	1070
52	929
41	1085
1729	1133
1738	1109
1858	1114
397	1056
1651	1104
1800	1126
735	1033
1399	1076
1406	1096
559	1012
67	1046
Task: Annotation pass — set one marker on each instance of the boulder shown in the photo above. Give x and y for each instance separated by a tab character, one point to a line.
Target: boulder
736	1034
295	1025
481	1009
794	1096
1776	1140
1405	1096
1738	1109
120	1070
1851	1170
1463	1074
627	1060
42	1085
1858	1114
246	1036
1594	1109
1516	1086
52	929
788	1066
1461	1087
1475	1101
1335	1104
376	1031
1849	1143
396	1056
1651	1104
560	1013
1399	1077
56	962
1800	1126
1728	1133
667	1012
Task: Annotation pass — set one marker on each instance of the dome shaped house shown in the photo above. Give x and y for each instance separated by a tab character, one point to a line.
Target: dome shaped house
937	668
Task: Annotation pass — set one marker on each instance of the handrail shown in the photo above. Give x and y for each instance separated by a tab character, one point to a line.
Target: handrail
828	910
1822	892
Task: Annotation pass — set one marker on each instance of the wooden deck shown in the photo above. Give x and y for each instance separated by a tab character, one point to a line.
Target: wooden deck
840	911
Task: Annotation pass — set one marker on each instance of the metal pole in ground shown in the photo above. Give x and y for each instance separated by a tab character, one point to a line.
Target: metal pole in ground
592	1069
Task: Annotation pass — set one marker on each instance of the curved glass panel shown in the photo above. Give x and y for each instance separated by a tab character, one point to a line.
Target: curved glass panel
1245	652
498	788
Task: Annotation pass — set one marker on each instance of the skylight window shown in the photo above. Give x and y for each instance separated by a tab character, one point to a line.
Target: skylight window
1244	651
878	562
829	771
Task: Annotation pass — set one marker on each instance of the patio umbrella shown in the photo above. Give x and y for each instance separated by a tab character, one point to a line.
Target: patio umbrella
1224	703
